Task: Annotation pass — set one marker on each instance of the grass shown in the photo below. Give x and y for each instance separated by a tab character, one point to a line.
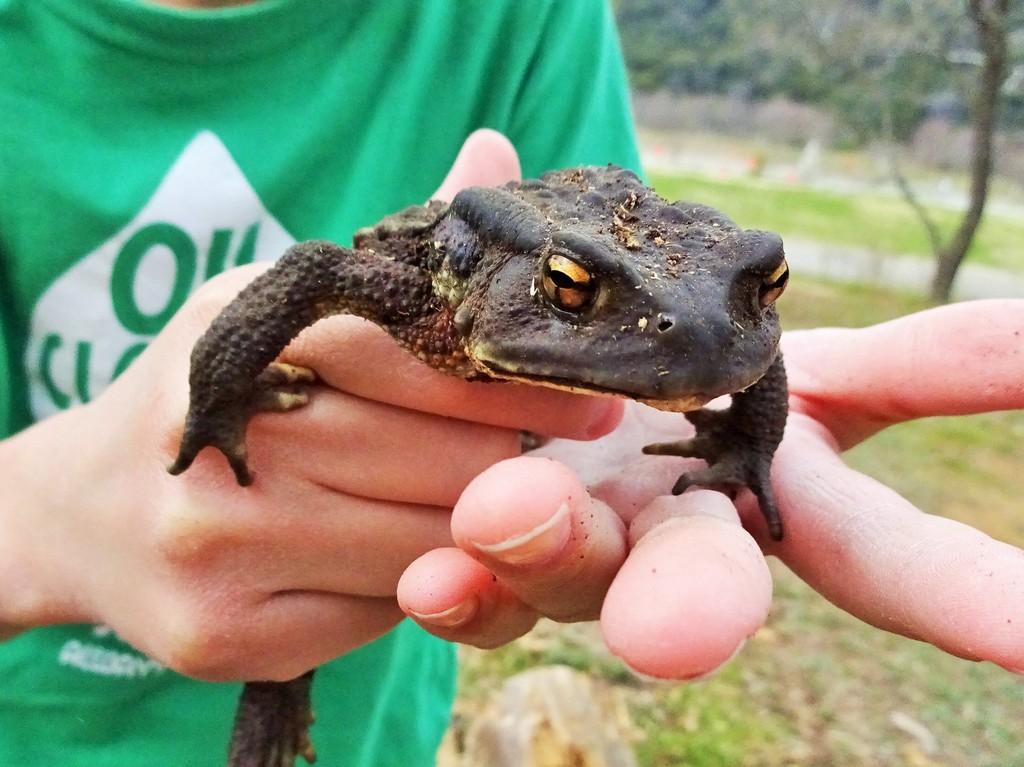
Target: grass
815	687
879	223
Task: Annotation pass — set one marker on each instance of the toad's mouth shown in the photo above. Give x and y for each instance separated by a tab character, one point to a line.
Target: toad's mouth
671	402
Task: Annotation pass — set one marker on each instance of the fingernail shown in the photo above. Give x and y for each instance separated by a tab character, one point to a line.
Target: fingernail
456	615
535	546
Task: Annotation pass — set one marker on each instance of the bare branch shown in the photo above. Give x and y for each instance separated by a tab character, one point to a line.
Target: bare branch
930	227
989	17
903	184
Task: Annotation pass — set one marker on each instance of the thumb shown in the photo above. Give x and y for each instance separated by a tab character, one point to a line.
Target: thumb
487	158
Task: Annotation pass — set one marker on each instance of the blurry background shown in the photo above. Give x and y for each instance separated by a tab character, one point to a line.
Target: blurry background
880	137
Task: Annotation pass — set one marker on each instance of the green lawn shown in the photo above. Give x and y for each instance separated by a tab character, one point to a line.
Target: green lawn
885	225
815	687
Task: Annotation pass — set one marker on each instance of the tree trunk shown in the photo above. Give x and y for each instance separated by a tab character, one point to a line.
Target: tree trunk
989	17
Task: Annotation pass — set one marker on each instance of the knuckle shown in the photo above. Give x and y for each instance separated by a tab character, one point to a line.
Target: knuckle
207	302
216	293
186	539
202	645
222	287
216	642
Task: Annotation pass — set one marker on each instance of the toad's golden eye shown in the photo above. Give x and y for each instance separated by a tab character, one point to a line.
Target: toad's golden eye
774	284
567	284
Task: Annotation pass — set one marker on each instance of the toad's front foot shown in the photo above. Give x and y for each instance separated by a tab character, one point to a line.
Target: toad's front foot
738	443
733	468
220	421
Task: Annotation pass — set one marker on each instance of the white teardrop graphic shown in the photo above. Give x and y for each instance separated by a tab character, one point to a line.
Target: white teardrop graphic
97	317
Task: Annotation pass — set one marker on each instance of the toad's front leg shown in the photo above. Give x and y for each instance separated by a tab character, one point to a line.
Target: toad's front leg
738	443
233	374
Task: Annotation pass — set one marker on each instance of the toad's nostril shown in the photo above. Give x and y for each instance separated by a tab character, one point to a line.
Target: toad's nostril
665	322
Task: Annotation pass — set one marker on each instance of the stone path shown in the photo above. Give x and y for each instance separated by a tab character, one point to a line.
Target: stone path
849	264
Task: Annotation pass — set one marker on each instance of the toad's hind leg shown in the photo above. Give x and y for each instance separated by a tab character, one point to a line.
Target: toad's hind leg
272	724
738	443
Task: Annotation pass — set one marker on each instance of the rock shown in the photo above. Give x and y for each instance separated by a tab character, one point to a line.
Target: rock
547	717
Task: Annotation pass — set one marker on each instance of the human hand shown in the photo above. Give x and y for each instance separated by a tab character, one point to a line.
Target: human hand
694	584
223	582
856	541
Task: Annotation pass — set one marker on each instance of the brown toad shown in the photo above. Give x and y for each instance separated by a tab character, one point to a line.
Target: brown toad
583	280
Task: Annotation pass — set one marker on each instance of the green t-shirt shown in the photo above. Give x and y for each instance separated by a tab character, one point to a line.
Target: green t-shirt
143	150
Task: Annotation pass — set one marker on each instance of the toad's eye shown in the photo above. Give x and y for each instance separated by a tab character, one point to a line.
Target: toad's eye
774	284
568	285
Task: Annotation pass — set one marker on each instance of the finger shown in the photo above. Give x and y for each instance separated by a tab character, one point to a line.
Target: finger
306	536
486	158
453	596
363	555
694	587
365	448
957	359
331	346
531	523
875	555
290	633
